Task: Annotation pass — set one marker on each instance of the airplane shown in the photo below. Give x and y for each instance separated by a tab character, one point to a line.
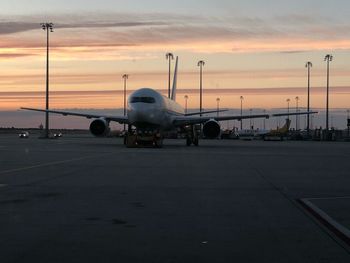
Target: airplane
278	132
266	134
150	114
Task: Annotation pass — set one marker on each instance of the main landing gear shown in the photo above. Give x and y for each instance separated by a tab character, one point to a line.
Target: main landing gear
192	136
134	139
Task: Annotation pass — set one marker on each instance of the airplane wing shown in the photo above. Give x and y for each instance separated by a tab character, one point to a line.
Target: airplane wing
190	120
293	113
203	112
120	119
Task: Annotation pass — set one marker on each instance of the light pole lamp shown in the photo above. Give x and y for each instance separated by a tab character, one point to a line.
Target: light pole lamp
297	110
241	98
288	101
308	66
186	98
125	78
328	58
48	27
200	64
169	56
217	106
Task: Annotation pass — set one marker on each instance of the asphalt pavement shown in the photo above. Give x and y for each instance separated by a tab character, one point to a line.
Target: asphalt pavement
85	199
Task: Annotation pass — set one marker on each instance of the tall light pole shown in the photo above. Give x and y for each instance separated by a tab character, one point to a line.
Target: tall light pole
200	64
308	66
250	119
125	77
296	116
48	27
170	57
217	106
241	98
327	58
186	98
348	122
264	120
288	101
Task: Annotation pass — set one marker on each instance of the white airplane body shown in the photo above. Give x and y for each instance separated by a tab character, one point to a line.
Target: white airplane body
147	108
149	114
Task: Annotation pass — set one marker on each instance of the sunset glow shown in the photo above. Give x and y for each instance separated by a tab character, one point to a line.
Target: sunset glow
259	55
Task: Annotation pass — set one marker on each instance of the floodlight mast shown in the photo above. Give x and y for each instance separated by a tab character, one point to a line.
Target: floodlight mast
297	110
200	64
241	98
288	101
125	78
328	58
48	27
308	66
217	106
186	98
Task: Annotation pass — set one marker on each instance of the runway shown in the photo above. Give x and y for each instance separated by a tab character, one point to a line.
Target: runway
84	199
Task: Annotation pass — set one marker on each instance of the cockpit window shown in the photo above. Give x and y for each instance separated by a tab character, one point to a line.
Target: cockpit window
142	99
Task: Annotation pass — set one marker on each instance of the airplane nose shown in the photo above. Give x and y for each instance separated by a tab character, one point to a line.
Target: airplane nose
141	114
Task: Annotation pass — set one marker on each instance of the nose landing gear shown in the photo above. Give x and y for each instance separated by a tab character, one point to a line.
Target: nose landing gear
134	139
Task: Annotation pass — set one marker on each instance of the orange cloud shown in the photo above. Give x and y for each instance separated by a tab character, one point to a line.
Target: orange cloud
116	36
91	53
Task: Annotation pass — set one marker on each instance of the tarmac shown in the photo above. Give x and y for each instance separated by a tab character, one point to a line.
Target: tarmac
85	199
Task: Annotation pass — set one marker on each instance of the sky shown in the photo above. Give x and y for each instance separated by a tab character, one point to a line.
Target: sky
252	48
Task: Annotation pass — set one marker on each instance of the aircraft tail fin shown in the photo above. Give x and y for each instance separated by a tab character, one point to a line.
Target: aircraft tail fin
280	131
285	127
173	91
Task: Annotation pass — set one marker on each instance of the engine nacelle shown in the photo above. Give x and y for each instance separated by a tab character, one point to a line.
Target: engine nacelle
99	128
211	129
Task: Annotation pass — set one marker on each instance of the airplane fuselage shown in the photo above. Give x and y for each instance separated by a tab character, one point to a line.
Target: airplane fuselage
148	109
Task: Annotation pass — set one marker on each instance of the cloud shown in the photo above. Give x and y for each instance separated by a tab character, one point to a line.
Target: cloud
156	77
287	34
16	27
12	27
14	55
293	51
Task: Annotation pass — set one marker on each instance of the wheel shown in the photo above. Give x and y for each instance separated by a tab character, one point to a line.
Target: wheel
196	141
158	143
131	141
188	141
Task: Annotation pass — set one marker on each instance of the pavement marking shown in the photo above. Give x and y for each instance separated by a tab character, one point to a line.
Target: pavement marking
339	230
49	164
329	198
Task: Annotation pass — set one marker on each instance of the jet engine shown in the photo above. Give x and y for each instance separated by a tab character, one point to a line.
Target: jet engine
99	127
211	129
